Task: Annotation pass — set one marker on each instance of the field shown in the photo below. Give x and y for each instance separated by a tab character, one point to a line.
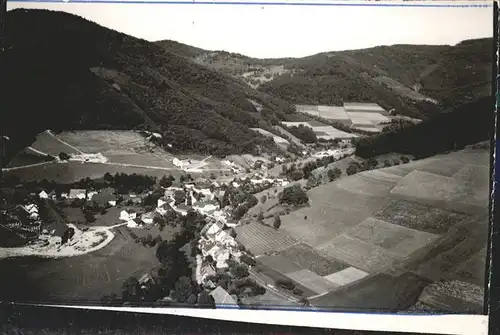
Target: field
312	281
362	120
379	293
346	276
27	157
332	112
397	239
331	132
453	296
279	263
261	239
73	171
49	144
277	139
419	217
360	254
308	258
77	279
270	276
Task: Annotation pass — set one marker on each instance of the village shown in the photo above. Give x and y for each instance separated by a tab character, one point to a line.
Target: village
44	225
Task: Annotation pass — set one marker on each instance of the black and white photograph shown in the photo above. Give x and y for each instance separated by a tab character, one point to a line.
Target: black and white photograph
324	158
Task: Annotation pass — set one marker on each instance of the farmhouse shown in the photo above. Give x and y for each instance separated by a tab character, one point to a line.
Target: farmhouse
91	194
147	218
43	195
76	193
105	196
134	223
212	229
127	215
222	298
161	202
206	271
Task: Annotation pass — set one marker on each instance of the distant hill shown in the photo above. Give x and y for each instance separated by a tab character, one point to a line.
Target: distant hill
64	72
416	80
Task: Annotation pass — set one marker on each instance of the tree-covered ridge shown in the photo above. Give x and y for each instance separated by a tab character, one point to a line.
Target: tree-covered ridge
450	75
75	74
465	125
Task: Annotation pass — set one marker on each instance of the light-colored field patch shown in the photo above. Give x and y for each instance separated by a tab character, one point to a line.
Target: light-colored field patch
383	175
346	276
434	187
369	129
362	255
279	263
363	183
312	281
333	113
473	174
93	141
362	107
373	117
261	239
397	239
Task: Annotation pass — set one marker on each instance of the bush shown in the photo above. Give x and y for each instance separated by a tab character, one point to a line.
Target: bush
404	159
285	283
263	199
294	195
277	222
248	260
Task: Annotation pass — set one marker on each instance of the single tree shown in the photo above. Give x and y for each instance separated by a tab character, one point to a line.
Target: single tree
277	222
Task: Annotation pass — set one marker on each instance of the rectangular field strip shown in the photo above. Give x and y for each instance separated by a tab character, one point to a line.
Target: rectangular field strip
279	263
259	238
308	258
399	240
359	254
419	217
312	281
346	276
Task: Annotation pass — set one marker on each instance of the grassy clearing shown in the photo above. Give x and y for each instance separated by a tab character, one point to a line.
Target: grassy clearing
308	258
362	255
346	276
472	270
27	157
82	279
419	217
397	239
261	239
50	145
364	183
476	175
74	171
93	141
380	293
279	263
454	296
312	281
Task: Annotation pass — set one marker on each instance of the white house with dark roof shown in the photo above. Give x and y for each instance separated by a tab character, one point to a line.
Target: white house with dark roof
127	215
77	193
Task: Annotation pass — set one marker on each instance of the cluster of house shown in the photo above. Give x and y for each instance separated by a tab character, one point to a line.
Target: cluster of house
104	197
